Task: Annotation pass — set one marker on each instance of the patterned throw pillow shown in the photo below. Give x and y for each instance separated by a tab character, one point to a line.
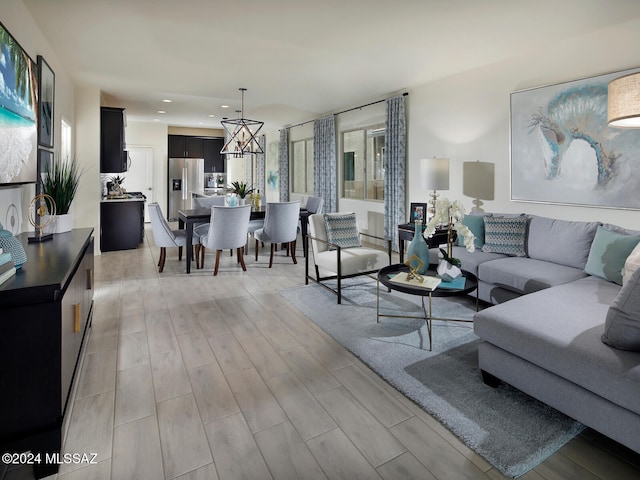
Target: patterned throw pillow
631	264
342	230
506	235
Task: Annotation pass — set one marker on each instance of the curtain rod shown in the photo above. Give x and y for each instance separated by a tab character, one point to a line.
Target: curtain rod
346	111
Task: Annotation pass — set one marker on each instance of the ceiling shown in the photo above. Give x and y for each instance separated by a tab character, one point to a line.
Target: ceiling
298	59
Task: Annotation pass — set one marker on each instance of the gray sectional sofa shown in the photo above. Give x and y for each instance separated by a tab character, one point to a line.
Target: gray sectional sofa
543	333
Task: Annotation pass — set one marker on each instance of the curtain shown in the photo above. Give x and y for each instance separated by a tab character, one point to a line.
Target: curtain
259	183
248	169
395	142
283	164
325	176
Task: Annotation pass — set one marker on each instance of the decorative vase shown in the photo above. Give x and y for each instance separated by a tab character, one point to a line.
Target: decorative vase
419	248
448	272
60	224
242	201
12	245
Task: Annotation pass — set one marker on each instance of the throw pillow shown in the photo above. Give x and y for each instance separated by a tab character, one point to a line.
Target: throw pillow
506	235
475	223
342	230
631	264
622	325
608	253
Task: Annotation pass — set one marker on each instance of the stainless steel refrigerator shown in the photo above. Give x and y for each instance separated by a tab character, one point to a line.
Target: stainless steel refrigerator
186	175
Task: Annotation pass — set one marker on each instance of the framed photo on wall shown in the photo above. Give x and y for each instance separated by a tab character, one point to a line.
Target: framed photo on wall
46	94
418	213
564	152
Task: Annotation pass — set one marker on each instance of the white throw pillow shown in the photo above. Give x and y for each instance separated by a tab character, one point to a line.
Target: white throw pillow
631	264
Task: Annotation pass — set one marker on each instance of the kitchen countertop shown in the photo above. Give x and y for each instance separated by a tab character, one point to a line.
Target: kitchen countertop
125	199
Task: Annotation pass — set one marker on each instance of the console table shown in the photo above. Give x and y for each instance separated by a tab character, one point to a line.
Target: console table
406	232
46	308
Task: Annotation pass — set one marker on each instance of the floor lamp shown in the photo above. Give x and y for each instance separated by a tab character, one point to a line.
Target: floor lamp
478	182
435	176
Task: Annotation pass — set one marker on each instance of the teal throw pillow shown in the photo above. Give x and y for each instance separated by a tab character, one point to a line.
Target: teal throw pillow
342	230
506	235
475	223
608	253
622	325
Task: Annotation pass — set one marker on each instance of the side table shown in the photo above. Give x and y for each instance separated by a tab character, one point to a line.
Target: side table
387	273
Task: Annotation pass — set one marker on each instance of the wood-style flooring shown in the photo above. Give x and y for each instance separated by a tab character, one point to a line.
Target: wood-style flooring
202	377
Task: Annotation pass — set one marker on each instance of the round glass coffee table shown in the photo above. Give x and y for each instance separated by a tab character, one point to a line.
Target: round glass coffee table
386	274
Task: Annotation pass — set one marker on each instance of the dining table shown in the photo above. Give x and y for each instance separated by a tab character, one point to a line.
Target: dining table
188	218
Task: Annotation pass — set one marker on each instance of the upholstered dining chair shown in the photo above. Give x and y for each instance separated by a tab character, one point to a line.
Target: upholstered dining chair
280	226
315	204
165	237
227	229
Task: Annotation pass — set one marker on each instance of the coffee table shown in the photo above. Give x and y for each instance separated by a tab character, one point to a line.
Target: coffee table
385	274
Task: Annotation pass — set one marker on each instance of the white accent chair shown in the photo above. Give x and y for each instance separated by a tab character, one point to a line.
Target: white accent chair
333	262
227	229
280	226
165	237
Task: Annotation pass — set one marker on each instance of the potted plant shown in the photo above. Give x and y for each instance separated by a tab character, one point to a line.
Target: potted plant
61	182
241	189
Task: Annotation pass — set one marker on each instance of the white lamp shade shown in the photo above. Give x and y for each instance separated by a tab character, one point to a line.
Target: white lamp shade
478	180
434	173
623	105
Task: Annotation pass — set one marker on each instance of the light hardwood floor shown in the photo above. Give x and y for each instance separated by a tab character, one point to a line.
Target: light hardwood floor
202	377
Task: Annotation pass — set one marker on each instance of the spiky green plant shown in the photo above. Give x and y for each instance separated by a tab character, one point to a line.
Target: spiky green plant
61	182
241	189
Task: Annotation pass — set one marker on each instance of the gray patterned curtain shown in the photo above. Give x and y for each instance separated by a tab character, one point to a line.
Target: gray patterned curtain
260	167
283	164
248	169
395	142
325	178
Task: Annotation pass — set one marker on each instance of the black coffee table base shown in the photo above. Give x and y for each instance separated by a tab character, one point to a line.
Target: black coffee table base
385	275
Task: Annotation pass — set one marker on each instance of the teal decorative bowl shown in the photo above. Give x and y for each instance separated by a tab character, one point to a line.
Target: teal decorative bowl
12	245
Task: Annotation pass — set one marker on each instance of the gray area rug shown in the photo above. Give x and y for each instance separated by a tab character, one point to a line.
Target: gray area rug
511	430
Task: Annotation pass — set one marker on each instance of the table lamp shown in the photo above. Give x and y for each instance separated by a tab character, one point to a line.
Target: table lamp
478	182
435	176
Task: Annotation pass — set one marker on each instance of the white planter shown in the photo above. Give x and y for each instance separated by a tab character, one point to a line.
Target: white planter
448	272
60	223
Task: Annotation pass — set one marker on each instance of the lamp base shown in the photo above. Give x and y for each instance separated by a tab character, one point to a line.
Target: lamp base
477	205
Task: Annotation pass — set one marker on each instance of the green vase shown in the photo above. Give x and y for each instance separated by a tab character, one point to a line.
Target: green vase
420	249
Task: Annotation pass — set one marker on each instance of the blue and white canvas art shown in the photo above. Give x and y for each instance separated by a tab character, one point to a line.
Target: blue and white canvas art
18	106
563	151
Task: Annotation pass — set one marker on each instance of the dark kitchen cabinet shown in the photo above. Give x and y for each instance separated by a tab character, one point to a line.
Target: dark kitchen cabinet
121	224
184	146
213	159
46	310
113	158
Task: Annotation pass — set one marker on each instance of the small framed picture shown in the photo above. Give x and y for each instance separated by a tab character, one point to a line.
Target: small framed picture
418	213
46	94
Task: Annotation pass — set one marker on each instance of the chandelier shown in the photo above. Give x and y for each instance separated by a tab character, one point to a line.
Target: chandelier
242	134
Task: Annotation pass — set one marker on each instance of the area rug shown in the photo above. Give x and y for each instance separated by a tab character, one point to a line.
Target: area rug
511	430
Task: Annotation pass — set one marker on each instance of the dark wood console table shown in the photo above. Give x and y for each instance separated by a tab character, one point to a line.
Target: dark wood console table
406	232
45	311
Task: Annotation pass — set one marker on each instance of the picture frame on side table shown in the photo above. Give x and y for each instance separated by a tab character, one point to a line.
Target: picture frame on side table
418	212
564	152
46	100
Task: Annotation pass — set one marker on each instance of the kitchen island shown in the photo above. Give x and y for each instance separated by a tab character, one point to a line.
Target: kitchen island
121	222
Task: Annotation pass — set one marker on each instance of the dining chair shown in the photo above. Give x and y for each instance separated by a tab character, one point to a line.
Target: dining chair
315	204
280	226
227	229
165	237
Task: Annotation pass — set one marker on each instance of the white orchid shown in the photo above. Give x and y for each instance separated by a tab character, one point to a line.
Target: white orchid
451	214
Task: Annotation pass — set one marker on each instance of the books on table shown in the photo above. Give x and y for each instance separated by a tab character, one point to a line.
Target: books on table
7	269
428	282
8	274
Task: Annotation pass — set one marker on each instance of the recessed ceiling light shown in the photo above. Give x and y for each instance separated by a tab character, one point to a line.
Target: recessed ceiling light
167	100
211	116
156	120
224	106
161	111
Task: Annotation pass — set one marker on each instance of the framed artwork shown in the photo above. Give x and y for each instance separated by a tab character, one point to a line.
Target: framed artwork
18	106
563	151
46	95
418	213
272	189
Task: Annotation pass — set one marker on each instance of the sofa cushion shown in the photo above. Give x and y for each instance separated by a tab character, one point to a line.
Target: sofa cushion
622	325
506	235
560	241
527	275
475	223
631	264
608	253
559	329
354	261
342	230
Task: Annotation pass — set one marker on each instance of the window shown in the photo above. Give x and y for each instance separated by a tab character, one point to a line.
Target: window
363	164
302	166
65	141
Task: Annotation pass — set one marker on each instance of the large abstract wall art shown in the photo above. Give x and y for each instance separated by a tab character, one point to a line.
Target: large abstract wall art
18	105
563	151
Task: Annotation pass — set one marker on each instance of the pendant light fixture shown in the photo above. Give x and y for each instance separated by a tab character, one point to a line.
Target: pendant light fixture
242	134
